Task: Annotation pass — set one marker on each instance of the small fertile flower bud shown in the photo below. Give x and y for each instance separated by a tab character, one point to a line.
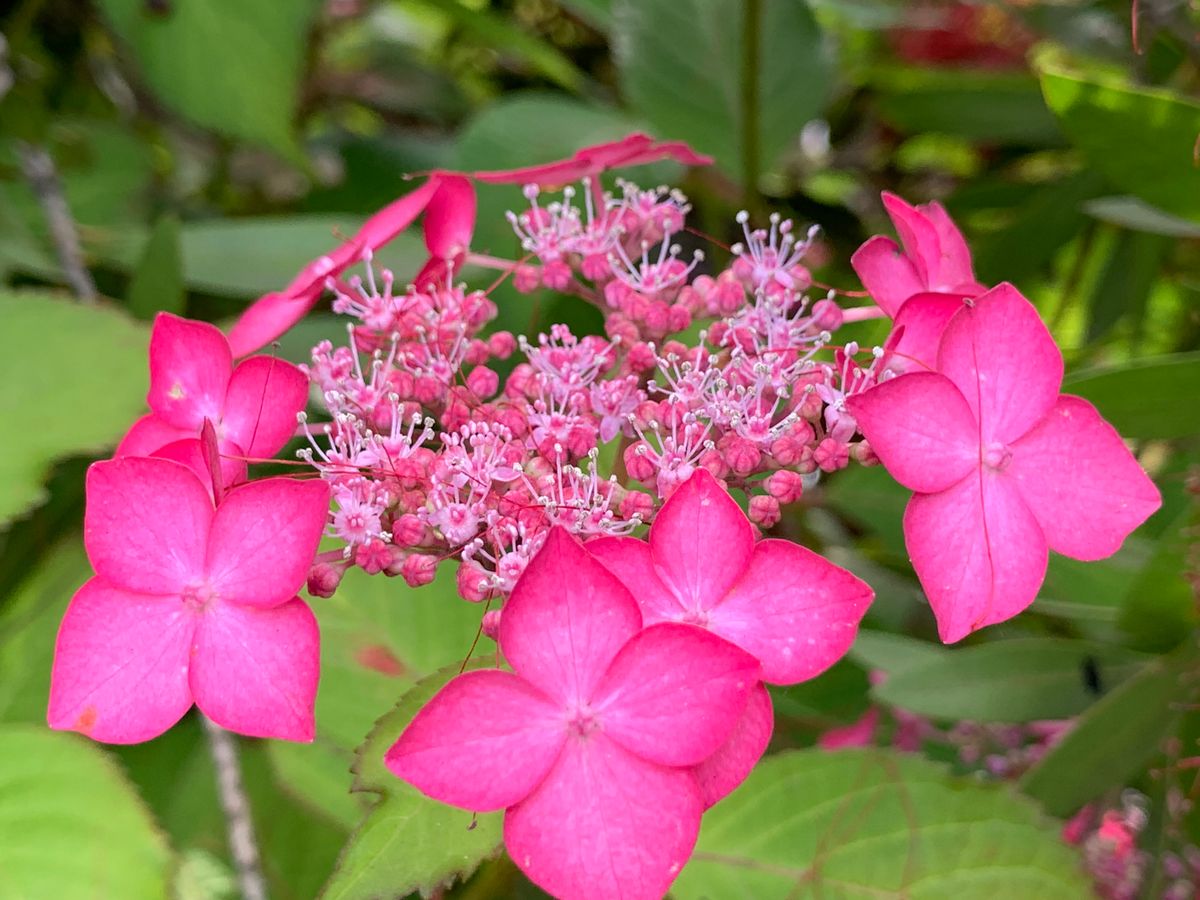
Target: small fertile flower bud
831	455
526	279
715	463
863	453
826	316
641	358
408	531
637	503
502	344
324	578
764	510
785	486
483	382
373	557
419	569
638	462
556	275
491	624
473	583
742	456
680	318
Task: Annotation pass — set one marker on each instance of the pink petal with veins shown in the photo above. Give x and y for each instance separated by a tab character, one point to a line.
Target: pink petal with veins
190	365
736	758
631	561
260	408
888	275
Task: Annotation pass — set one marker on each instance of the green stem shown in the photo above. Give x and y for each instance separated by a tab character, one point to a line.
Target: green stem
751	39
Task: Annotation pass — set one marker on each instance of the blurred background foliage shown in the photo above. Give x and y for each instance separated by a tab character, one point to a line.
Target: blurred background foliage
206	150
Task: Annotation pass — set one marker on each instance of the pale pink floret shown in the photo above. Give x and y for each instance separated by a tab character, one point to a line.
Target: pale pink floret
931	257
252	406
1003	466
795	611
190	604
589	743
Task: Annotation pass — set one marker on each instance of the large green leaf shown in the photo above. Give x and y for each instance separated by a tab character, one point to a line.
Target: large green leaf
1159	607
157	282
1142	139
1116	737
878	824
230	65
681	64
408	842
1145	398
1010	681
72	825
74	378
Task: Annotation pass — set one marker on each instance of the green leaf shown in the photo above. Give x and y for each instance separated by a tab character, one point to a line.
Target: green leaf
893	653
74	379
72	825
1150	398
1100	115
230	65
1010	681
28	625
157	282
408	842
378	636
875	824
997	107
1124	286
597	12
1159	608
681	66
1116	737
1130	212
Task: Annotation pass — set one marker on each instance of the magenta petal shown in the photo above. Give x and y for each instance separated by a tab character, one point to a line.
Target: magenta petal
120	664
888	275
978	551
701	542
605	824
794	610
484	742
917	234
450	218
566	619
254	671
733	761
924	318
190	453
190	365
145	525
921	428
1080	481
632	562
954	268
267	318
264	396
388	222
674	693
1004	361
264	537
148	434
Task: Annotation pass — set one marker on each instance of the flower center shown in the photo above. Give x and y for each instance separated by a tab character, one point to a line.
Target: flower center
695	617
198	596
582	721
997	456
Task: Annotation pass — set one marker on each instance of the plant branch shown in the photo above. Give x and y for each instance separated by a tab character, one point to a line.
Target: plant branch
236	805
39	171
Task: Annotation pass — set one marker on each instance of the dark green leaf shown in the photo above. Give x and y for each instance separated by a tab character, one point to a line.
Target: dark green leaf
157	282
875	824
1159	608
894	653
1125	283
1116	737
1130	212
1150	398
1010	681
682	68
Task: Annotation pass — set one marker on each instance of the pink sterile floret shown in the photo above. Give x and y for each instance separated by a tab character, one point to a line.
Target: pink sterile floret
589	742
190	604
934	257
1003	466
252	407
792	609
632	150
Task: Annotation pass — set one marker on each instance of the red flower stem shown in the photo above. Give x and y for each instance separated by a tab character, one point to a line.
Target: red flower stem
862	314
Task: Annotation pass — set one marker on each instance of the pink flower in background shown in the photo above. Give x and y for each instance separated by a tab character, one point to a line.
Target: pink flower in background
795	611
447	199
190	604
1003	466
632	150
589	743
934	257
252	407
